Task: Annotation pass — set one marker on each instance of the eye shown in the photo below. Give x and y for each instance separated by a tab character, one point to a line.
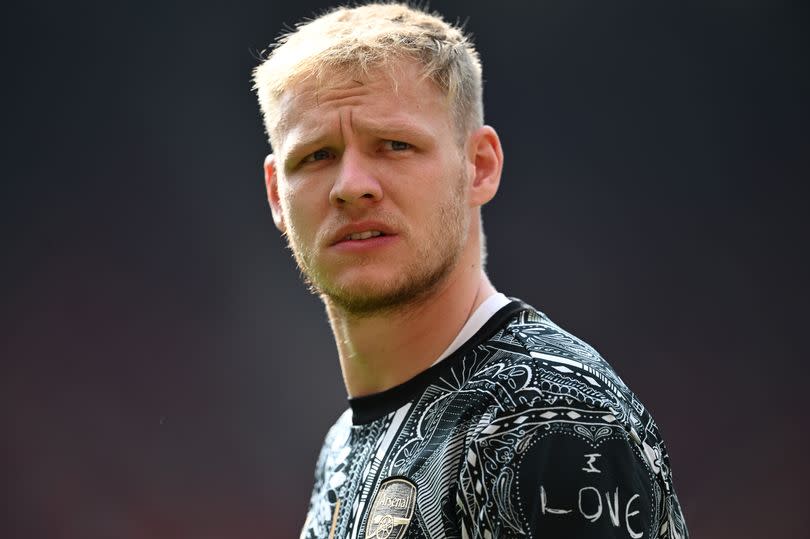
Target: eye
397	145
317	155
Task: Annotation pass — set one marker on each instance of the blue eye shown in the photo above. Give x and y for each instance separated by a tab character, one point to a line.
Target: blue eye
318	155
397	145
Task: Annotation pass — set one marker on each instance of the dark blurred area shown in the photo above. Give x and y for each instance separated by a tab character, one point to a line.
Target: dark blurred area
166	375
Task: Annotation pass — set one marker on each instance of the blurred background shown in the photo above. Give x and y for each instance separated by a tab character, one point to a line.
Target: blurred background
166	375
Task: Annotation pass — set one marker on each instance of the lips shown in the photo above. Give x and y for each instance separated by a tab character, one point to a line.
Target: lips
363	235
361	231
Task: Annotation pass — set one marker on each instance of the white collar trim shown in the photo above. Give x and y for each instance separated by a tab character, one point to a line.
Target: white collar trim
482	314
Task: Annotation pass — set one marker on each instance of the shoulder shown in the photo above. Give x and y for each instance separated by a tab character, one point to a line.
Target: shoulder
563	440
534	363
334	444
338	434
543	381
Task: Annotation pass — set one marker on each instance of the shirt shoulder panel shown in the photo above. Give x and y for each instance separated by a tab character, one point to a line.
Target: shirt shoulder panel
555	409
533	361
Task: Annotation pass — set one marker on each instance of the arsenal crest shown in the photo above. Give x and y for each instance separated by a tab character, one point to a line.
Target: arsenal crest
391	510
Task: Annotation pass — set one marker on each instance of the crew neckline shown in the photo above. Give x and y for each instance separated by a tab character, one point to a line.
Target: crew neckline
371	407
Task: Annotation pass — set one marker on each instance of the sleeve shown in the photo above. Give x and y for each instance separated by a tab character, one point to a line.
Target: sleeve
557	473
331	461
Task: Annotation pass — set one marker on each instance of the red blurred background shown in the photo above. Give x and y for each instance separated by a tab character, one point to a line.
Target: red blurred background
165	374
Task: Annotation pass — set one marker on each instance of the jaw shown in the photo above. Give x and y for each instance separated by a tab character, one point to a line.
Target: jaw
405	275
375	286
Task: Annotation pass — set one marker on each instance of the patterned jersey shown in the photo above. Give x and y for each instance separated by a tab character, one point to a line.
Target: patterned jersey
524	431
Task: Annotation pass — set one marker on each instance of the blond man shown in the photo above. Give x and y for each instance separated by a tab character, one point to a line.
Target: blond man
470	414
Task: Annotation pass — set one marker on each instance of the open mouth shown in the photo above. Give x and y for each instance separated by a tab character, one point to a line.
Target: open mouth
364	235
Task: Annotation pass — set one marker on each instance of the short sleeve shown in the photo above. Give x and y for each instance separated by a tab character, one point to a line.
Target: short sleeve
570	474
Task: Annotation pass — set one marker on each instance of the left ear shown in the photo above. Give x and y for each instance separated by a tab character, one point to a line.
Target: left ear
485	158
271	183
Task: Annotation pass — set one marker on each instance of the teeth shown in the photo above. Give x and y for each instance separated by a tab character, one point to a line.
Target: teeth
364	235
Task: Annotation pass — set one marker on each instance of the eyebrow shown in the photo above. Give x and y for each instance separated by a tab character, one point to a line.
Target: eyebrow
302	143
384	130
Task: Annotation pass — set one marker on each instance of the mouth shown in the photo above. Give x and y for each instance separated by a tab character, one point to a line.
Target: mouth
361	233
366	234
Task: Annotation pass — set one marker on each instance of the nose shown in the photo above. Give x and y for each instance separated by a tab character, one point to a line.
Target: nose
356	183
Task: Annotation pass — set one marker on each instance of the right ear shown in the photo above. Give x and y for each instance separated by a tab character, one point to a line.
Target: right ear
271	183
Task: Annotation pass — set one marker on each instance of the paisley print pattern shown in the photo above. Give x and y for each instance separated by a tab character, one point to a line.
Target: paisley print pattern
525	431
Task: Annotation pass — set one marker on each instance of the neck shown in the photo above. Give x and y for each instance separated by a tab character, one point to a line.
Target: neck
380	352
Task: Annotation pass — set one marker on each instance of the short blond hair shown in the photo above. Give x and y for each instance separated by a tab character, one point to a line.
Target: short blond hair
368	37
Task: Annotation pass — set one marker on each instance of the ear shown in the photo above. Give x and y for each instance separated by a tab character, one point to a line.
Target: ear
485	157
271	183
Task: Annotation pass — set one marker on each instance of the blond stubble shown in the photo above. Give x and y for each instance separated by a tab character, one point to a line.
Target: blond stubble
429	268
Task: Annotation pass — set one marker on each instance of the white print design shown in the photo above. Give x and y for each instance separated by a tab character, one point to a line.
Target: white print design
591	459
469	436
544	504
590	507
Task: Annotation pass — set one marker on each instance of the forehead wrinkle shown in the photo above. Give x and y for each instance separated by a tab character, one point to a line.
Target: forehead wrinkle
300	104
395	125
303	121
337	93
348	125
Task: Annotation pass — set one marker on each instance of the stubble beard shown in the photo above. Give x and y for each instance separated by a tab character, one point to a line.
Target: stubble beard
430	267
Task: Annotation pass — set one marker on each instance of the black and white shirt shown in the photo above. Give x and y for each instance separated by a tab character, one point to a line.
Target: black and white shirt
522	431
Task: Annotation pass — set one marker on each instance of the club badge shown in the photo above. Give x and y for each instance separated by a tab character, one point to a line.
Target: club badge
392	509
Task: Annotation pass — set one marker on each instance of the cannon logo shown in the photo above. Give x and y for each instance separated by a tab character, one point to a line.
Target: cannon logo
392	509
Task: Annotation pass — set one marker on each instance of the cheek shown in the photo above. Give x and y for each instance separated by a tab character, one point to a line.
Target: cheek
301	211
290	208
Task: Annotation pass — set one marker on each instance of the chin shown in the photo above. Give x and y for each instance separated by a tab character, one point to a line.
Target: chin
367	295
366	305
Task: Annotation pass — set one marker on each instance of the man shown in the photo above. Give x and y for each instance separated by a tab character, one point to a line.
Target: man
471	414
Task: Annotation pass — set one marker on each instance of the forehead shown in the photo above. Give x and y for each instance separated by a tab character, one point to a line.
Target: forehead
399	93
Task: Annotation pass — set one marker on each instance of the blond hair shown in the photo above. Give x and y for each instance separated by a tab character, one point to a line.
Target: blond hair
368	37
